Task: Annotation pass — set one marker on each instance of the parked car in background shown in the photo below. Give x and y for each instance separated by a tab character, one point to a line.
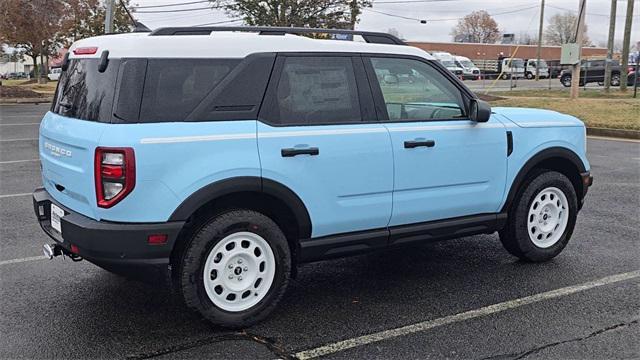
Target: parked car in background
17	75
530	68
220	163
469	69
448	61
592	71
54	74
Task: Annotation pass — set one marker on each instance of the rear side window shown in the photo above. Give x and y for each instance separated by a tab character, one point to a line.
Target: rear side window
316	90
85	93
174	87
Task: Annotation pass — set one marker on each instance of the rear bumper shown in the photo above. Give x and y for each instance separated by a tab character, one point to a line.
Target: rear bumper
117	247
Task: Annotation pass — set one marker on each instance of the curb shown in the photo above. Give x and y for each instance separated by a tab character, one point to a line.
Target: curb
616	133
42	100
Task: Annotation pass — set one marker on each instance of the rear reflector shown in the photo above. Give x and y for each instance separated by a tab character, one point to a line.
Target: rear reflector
85	50
74	249
157	239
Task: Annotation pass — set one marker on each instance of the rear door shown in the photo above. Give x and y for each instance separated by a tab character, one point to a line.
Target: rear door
446	165
318	136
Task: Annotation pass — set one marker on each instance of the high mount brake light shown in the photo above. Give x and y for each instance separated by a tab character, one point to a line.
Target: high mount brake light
115	175
85	50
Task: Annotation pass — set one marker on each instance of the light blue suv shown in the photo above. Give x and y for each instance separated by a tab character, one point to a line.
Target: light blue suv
221	158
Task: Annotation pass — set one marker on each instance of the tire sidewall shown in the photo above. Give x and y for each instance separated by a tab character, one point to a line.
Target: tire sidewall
615	80
520	216
203	242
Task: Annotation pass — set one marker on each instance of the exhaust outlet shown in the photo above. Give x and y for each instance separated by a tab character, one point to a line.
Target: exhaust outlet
51	250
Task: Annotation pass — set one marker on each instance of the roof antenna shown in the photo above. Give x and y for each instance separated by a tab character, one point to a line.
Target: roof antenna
137	26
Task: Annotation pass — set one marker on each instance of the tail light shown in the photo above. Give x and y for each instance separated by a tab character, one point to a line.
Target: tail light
115	175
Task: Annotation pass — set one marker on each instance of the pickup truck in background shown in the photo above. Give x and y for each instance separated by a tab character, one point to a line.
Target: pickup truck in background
592	71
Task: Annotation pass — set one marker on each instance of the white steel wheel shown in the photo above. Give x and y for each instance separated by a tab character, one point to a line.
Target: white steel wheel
239	271
548	217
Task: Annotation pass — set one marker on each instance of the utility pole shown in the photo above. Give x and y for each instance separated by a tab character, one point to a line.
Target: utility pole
575	71
612	31
626	43
108	18
539	49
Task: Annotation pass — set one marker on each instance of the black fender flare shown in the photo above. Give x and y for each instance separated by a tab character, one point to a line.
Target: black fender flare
246	184
548	153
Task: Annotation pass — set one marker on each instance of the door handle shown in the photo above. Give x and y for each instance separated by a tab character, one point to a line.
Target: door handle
290	152
416	143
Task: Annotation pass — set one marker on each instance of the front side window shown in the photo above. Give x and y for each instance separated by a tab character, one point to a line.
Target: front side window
414	90
316	90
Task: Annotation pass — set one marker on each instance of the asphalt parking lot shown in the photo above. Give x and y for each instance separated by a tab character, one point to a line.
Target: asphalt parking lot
465	298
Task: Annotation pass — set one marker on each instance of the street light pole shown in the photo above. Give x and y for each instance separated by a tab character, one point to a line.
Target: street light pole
539	49
626	43
612	30
575	71
108	18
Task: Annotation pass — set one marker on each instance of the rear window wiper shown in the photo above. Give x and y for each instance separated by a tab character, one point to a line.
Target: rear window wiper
66	105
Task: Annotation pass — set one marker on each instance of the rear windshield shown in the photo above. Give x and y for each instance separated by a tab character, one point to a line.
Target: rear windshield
137	90
85	93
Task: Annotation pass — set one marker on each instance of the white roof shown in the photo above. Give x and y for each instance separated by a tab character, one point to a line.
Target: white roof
226	45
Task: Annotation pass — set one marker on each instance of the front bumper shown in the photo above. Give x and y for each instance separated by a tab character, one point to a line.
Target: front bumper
587	181
117	247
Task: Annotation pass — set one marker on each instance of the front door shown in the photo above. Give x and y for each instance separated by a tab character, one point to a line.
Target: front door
446	165
317	135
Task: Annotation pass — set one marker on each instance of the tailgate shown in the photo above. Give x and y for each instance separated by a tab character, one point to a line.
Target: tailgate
67	148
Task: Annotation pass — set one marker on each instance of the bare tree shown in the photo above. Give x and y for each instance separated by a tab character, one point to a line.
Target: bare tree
301	13
394	32
525	38
477	27
85	18
562	30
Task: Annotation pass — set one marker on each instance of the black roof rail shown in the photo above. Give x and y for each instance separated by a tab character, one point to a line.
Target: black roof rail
368	36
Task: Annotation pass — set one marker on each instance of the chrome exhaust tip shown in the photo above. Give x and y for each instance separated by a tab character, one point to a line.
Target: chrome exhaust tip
49	251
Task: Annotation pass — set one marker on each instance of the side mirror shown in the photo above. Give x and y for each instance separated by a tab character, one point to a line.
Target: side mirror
480	111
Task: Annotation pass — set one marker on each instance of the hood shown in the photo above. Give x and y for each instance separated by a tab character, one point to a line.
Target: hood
528	117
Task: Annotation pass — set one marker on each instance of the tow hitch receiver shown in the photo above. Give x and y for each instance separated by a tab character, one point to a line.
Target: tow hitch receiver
52	250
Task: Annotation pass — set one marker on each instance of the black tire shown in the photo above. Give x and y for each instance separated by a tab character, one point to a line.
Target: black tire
566	80
505	76
515	235
192	263
530	76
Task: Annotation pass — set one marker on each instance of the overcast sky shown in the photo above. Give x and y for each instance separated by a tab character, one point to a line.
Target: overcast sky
513	16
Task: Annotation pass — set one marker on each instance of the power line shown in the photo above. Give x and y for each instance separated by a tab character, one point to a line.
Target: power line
168	5
219	22
573	11
411	1
450	19
176	10
391	15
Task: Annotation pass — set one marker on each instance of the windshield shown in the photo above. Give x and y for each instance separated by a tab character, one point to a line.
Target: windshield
448	63
516	63
466	63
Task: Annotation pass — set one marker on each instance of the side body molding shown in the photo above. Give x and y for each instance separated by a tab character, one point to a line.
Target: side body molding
246	184
549	153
